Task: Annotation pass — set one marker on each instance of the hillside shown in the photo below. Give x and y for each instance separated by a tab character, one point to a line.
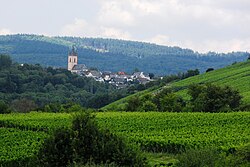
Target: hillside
28	87
112	55
236	76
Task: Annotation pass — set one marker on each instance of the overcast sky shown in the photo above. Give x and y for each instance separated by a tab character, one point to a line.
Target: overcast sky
202	25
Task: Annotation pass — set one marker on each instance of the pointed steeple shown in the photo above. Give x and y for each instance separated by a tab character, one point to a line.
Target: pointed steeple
73	51
72	58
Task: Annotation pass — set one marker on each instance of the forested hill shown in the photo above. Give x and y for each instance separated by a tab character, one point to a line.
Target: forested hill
111	54
28	87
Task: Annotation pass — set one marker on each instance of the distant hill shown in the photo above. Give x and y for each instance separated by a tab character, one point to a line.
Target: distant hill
112	54
236	76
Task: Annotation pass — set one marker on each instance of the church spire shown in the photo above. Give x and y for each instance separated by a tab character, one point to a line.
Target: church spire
73	51
72	58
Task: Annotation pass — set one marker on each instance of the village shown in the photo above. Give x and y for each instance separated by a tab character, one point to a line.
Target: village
119	79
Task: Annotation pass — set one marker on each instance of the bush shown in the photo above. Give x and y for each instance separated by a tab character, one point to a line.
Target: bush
232	157
101	146
85	143
57	150
198	158
68	107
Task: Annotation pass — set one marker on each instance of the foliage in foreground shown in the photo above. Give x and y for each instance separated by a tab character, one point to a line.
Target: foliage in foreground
18	147
86	142
153	131
213	157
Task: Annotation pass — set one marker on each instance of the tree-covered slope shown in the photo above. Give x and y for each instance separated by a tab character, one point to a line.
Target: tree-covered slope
24	87
236	76
111	54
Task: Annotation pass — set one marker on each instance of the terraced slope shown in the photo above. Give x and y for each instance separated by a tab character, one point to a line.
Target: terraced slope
236	76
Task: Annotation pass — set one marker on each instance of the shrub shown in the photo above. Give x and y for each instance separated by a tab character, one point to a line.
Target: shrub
197	158
85	143
232	157
57	150
101	146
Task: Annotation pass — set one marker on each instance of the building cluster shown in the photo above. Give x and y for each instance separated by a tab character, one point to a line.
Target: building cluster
119	79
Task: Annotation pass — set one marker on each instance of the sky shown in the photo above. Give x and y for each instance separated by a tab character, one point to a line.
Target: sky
201	25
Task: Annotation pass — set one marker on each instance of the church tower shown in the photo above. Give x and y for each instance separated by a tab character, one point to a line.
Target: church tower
72	58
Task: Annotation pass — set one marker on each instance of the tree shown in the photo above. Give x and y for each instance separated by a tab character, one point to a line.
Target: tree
133	104
172	103
191	73
148	106
5	61
136	70
213	98
151	75
4	108
209	69
23	105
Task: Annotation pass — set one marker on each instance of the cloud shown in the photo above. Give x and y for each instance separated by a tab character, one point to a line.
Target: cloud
78	28
114	13
82	28
145	7
114	33
161	40
202	25
5	31
218	45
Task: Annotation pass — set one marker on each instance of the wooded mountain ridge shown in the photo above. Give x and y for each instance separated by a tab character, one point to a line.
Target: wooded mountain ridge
112	54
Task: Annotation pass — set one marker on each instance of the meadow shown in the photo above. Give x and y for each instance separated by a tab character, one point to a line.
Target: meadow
23	134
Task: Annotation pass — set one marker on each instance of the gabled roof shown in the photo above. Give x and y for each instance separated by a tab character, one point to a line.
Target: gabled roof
95	73
79	67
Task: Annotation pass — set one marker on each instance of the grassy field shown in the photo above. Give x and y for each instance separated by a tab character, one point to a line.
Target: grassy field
236	76
153	131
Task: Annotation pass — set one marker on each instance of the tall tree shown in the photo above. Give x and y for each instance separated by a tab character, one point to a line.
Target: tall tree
5	61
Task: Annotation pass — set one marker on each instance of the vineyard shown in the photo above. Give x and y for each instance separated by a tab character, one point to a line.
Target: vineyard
19	146
153	131
236	76
173	132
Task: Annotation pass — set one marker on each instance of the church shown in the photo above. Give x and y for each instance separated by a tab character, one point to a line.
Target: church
73	65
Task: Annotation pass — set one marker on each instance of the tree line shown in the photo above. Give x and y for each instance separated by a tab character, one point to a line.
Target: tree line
203	98
25	87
